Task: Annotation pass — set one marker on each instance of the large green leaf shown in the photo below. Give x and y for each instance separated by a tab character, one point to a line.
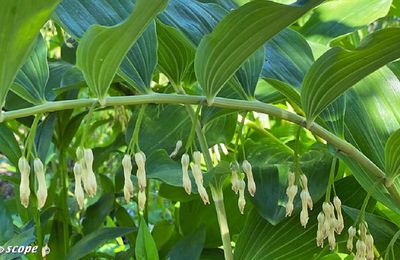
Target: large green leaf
97	213
190	246
194	20
392	151
32	78
7	228
288	57
146	248
92	241
339	69
138	65
237	37
175	54
372	115
339	17
99	54
20	22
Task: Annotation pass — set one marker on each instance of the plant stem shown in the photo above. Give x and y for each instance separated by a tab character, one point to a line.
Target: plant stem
242	105
218	198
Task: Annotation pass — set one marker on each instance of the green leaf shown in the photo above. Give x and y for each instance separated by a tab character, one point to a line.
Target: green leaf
44	136
288	57
392	151
20	22
32	78
339	69
94	240
190	246
146	248
6	227
99	55
237	37
175	54
97	213
9	145
139	63
339	17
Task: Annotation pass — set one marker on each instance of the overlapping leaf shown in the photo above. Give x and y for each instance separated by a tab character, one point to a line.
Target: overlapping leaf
31	80
20	22
339	17
99	54
392	152
339	69
239	35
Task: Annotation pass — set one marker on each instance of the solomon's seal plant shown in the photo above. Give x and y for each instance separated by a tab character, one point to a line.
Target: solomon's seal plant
171	129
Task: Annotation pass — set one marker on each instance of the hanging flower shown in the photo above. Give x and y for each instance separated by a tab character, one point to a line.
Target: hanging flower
91	184
42	189
291	192
128	185
140	159
235	181
187	184
242	199
142	199
24	190
338	206
321	230
352	233
198	177
178	146
79	195
251	185
361	250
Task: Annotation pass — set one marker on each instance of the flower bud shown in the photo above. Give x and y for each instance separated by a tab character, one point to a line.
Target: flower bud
140	159
141	199
187	184
363	227
304	217
251	185
369	243
79	195
352	232
24	190
88	177
203	194
291	193
197	157
291	179
178	146
235	177
304	211
128	185
42	189
340	224
307	197
198	177
217	153
242	199
321	231
88	158
361	249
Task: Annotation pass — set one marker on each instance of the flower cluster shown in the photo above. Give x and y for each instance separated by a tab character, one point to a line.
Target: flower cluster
365	243
291	192
140	160
39	169
197	174
238	183
329	224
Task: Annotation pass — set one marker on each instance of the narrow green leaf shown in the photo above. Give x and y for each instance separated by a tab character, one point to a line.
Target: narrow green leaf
20	22
237	37
145	248
31	80
339	69
392	152
99	54
92	241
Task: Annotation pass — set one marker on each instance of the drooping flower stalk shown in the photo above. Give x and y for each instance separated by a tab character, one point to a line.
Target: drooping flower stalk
128	185
42	189
24	190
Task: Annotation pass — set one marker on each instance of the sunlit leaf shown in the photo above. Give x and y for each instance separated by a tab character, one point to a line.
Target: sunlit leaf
392	152
339	69
20	22
99	55
145	248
